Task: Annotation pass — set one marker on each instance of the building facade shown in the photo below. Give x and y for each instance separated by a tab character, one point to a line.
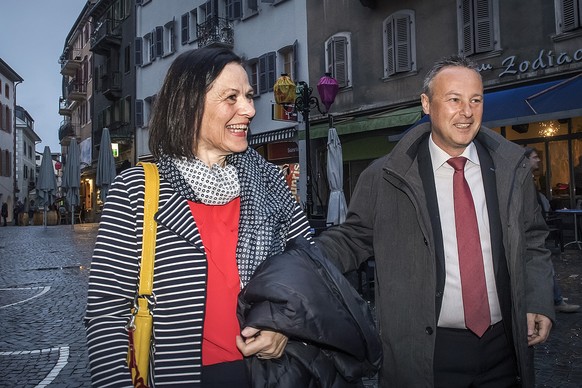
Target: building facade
529	55
25	159
9	79
76	102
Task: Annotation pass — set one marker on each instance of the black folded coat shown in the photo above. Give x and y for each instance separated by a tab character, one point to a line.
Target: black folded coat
333	341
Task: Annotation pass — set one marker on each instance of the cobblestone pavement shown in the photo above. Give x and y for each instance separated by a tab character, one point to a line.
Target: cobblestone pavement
43	286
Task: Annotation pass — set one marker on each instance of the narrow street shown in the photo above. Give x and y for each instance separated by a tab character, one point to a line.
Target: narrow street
43	286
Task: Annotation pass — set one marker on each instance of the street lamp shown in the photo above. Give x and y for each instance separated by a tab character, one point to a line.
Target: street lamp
298	97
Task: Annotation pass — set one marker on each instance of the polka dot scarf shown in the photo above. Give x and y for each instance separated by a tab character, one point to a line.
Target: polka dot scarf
266	211
211	185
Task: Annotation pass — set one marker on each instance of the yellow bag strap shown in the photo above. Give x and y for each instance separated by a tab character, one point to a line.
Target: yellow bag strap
150	207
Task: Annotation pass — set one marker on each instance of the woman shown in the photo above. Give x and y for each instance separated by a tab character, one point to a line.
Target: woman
223	210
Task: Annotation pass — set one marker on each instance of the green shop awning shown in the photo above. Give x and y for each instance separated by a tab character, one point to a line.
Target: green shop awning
389	119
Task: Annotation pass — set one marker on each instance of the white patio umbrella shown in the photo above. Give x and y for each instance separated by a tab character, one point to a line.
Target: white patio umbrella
46	185
337	207
72	177
105	165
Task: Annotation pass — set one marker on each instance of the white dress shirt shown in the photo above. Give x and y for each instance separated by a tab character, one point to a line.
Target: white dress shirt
452	313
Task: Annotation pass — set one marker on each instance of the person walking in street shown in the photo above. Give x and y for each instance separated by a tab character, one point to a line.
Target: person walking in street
560	304
223	209
4	213
463	281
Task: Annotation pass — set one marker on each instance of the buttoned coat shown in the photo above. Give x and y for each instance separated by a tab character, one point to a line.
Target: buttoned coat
389	219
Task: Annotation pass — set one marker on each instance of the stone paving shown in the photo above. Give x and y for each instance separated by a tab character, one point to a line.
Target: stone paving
43	286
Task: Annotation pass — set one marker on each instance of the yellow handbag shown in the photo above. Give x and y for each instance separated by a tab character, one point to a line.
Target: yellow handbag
140	325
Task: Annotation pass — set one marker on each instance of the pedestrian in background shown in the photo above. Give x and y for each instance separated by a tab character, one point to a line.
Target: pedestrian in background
560	304
223	209
4	213
413	212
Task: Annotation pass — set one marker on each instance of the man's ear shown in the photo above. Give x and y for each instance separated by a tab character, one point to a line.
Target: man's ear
425	101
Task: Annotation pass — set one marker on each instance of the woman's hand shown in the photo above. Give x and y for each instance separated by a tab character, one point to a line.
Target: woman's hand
264	344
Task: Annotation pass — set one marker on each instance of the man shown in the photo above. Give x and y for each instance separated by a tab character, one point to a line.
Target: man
403	213
560	304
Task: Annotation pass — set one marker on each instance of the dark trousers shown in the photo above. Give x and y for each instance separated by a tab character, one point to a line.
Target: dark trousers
225	375
464	360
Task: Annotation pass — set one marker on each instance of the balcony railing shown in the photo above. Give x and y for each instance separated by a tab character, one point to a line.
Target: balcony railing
70	62
216	31
76	90
111	85
67	128
107	35
64	107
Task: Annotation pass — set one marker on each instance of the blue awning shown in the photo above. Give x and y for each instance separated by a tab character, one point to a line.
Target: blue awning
551	100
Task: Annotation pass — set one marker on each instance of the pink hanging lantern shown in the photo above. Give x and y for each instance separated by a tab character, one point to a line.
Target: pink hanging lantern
327	87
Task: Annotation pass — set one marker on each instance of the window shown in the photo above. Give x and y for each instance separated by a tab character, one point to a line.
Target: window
2	126
148	47
127	59
250	7
338	58
399	39
6	90
568	15
138	51
139	113
185	28
233	9
8	117
253	72
288	60
169	37
478	26
266	72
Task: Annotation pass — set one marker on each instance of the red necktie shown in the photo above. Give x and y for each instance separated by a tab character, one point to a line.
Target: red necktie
474	288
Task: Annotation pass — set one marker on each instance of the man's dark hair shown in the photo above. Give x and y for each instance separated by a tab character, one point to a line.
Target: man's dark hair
453	60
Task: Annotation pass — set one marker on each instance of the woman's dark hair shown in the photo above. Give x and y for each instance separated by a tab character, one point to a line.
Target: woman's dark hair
179	105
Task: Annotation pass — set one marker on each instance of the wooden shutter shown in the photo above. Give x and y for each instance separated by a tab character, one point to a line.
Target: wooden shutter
271	70
138	51
402	43
339	46
295	60
483	26
390	49
185	28
139	113
468	41
159	37
263	88
571	14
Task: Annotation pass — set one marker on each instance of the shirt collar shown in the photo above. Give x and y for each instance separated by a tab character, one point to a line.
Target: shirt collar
440	157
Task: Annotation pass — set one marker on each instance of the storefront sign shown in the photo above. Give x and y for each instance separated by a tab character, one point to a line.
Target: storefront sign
545	59
283	150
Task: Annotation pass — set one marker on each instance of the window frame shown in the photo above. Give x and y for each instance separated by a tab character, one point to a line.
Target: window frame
340	68
395	60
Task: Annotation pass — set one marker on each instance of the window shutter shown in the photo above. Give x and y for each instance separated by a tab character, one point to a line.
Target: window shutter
139	113
570	14
185	28
159	41
467	12
138	51
233	9
402	43
295	59
271	70
263	88
1	116
340	61
484	26
390	50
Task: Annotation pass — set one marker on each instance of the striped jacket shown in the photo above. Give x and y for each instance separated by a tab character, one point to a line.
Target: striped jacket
179	277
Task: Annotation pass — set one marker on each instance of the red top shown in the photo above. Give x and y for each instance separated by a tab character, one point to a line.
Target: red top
218	226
